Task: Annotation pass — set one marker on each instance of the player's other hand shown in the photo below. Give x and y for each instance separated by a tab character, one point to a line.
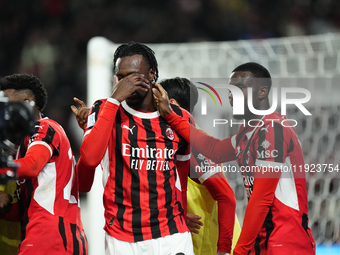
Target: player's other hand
161	99
80	113
128	85
194	223
5	202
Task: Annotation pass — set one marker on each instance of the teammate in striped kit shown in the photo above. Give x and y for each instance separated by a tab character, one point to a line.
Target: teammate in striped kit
276	218
48	201
137	151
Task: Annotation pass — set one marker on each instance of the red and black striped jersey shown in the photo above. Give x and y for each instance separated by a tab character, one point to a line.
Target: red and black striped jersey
270	158
272	150
141	196
49	203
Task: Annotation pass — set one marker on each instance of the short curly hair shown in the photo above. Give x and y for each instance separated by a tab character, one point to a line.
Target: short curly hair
135	48
27	82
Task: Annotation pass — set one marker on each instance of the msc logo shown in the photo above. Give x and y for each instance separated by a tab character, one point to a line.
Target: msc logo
267	154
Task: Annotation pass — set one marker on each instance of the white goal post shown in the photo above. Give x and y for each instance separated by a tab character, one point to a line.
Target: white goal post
305	56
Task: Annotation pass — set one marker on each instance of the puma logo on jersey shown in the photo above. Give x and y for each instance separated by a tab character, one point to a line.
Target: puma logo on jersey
264	128
130	129
238	151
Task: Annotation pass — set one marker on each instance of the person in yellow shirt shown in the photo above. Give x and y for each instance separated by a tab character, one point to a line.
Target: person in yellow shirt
9	231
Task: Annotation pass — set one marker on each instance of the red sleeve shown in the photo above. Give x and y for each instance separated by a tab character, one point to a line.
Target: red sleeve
217	150
221	191
256	212
95	142
94	145
85	176
36	158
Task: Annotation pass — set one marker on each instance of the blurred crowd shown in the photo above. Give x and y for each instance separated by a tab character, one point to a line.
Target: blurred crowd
48	38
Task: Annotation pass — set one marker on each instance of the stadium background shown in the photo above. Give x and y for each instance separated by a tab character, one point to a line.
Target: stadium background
50	39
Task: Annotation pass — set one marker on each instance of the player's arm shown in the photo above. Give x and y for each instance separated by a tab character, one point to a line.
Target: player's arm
256	212
213	148
221	191
97	138
37	156
265	182
95	142
226	204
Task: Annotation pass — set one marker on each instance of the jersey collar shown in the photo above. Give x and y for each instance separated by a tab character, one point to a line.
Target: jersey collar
142	115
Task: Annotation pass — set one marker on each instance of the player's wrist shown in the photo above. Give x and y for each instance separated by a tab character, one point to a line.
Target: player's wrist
166	112
114	100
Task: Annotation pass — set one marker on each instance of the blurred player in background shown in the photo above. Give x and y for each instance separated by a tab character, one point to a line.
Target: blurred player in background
137	150
47	183
210	201
276	217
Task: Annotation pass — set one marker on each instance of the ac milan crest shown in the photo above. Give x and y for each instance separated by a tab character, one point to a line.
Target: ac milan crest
169	133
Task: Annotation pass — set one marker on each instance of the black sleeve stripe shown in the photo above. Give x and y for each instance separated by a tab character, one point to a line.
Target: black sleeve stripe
75	239
177	109
96	108
268	222
49	135
49	138
83	241
291	146
257	245
278	133
62	231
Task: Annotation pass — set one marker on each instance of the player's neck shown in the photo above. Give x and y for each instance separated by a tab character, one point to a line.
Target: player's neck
147	105
262	107
37	114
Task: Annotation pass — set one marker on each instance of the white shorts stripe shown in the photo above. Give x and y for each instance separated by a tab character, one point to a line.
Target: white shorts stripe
180	243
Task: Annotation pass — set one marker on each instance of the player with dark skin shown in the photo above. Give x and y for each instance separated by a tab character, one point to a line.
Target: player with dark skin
135	68
134	76
263	200
132	82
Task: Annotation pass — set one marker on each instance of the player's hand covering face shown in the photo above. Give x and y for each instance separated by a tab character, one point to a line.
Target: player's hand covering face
134	76
161	99
133	86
